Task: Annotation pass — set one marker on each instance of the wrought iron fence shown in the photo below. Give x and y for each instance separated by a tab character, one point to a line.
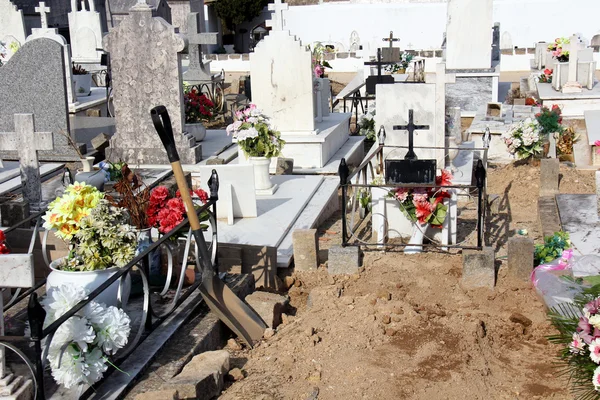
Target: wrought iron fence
356	216
41	337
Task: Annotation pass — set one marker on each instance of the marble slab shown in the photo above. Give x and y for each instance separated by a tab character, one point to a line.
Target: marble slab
13	184
469	93
96	98
592	124
16	270
579	217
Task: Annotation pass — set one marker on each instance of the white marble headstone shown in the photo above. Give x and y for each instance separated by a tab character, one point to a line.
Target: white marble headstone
86	33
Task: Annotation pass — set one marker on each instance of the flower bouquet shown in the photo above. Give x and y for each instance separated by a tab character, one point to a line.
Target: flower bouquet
3	247
546	77
254	133
557	49
400	66
425	205
166	211
564	144
524	139
198	107
318	63
79	351
549	120
366	125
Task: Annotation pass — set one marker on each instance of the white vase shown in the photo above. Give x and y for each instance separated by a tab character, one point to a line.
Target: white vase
89	280
416	238
82	84
197	130
262	179
87	163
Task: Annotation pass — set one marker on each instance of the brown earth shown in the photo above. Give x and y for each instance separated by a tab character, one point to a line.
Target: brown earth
404	328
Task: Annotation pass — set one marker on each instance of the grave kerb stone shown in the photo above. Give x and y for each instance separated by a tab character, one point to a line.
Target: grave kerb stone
478	268
343	260
549	175
520	257
306	249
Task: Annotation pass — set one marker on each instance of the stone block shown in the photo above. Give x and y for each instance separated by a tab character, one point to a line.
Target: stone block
427	53
101	142
13	212
269	306
306	249
222	57
235	56
285	166
549	171
215	161
548	215
439	53
530	50
478	269
168	394
342	55
260	261
93	112
521	51
343	260
203	376
520	257
506	52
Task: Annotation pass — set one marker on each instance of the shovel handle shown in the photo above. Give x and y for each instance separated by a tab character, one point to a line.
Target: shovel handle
185	195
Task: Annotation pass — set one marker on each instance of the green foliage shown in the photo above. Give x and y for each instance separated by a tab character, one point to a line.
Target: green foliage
267	143
235	12
550	120
552	248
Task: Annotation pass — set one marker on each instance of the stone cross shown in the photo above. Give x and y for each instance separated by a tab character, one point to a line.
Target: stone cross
27	142
391	39
572	86
277	23
411	128
197	71
43	10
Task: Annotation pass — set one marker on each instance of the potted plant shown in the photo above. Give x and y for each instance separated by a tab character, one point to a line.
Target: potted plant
82	81
259	141
550	121
524	140
198	109
100	241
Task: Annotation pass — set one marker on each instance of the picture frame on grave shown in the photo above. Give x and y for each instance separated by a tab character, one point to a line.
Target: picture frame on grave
409	171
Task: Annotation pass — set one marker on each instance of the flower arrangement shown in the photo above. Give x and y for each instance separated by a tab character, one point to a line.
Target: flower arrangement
104	240
546	77
3	247
366	125
66	213
79	70
166	211
132	198
549	120
198	107
557	49
524	138
425	205
318	63
552	248
80	347
254	133
565	141
405	60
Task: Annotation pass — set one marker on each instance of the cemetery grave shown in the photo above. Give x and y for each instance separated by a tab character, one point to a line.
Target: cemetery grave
319	264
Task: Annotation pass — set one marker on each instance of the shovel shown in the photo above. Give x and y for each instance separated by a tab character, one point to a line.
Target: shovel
230	309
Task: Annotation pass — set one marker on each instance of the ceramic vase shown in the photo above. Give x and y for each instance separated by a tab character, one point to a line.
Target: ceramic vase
262	179
89	280
197	130
417	236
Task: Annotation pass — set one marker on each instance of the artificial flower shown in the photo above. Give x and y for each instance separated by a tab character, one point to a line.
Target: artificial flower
254	133
595	351
113	330
577	346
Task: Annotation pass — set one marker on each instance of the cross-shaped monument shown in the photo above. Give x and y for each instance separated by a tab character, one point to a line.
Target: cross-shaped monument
277	23
373	80
197	70
27	142
411	128
43	10
572	85
390	55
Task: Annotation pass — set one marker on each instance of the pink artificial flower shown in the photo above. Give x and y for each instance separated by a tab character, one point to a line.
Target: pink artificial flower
595	351
420	195
577	345
593	306
586	331
318	70
423	210
401	194
597	144
567	254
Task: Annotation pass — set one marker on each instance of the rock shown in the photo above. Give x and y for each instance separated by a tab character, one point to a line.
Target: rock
285	319
347	300
269	306
236	374
343	260
297	283
331	280
520	319
288	282
232	344
309	331
93	112
314	377
203	376
167	394
396	317
386	319
390	332
269	333
315	339
384	294
478	268
481	330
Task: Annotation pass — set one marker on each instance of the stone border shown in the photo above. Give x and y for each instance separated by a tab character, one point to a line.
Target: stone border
530	50
328	57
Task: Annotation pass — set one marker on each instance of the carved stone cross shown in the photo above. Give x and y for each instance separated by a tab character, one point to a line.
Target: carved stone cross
197	71
27	142
277	23
43	10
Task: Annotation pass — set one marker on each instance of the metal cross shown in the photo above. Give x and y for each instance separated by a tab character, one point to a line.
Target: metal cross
411	128
43	10
379	63
277	22
391	39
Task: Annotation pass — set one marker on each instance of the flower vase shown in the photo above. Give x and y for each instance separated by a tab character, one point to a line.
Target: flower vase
87	163
89	280
416	238
145	241
262	179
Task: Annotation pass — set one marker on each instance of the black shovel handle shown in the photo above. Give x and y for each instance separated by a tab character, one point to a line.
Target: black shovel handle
162	124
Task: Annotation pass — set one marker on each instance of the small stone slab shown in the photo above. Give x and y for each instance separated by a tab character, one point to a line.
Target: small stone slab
269	306
343	260
520	257
203	376
169	394
548	215
101	141
549	173
479	269
306	249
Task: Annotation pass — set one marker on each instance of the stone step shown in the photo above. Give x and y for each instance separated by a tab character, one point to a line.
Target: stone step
352	151
6	380
11	387
22	391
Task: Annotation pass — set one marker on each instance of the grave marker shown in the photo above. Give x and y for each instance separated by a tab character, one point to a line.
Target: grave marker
379	79
393	53
43	10
197	70
277	22
27	142
572	85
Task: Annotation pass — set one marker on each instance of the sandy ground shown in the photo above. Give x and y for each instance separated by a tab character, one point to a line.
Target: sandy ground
404	328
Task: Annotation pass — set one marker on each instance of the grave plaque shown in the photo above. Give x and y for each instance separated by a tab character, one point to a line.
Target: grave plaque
411	169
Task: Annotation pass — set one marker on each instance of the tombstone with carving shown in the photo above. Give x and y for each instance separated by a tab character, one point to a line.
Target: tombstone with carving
86	32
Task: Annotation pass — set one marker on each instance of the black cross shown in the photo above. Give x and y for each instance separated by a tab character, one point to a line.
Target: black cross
411	128
379	63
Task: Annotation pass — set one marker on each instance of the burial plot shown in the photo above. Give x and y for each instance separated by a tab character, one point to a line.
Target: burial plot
38	62
146	72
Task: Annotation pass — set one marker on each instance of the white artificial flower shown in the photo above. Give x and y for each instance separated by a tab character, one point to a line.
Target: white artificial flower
95	313
72	368
114	330
595	351
60	300
75	330
595	321
596	379
95	362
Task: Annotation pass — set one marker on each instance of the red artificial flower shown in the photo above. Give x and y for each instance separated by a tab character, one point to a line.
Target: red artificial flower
555	107
159	194
202	195
548	71
445	179
3	247
423	210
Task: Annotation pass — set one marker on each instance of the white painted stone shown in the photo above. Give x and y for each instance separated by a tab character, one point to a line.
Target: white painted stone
16	270
240	197
441	78
572	85
43	10
469	34
573	105
506	41
12	25
541	49
592	124
86	33
278	22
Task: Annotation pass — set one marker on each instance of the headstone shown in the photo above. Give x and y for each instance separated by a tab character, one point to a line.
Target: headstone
354	42
549	176
541	48
572	85
306	249
469	34
496	44
391	53
39	60
343	260
372	81
146	72
506	41
520	257
86	32
478	269
12	25
197	71
277	23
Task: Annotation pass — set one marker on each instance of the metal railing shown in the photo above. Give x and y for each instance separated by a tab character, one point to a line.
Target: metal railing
41	337
373	165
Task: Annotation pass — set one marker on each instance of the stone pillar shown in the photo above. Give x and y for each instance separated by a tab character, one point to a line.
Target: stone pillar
479	270
306	249
520	257
549	171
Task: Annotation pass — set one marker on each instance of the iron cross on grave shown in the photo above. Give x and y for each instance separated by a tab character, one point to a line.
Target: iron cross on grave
197	70
411	128
277	23
371	80
391	39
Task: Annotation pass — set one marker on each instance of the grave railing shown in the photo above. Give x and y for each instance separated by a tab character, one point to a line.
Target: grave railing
356	100
41	337
367	177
